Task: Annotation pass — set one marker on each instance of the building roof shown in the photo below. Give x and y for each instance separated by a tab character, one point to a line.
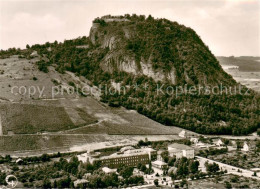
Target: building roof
122	155
194	139
108	170
158	162
139	150
80	181
126	148
18	160
180	146
217	140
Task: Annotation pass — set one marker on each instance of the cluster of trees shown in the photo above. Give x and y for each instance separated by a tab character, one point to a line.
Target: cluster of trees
66	172
53	170
212	151
206	118
161	144
212	168
2	178
144	169
6	159
186	168
37	159
99	179
258	145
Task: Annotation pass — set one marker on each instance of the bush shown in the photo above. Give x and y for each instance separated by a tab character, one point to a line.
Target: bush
258	132
42	66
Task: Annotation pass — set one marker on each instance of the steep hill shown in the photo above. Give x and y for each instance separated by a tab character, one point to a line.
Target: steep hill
140	55
160	49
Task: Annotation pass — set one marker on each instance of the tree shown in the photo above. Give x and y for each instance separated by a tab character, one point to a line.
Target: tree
193	166
126	172
27	46
55	184
228	185
165	156
171	161
183	182
212	168
239	144
156	182
226	141
46	183
258	132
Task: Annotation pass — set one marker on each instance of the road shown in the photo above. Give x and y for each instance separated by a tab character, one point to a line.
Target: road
230	169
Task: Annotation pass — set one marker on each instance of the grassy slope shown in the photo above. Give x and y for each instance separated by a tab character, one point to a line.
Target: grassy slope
28	119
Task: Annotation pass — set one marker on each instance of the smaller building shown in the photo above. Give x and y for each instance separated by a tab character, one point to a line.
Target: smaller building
204	145
245	147
182	134
159	164
19	161
181	150
194	140
34	54
218	142
81	183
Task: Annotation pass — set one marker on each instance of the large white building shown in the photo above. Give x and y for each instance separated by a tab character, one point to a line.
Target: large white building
180	150
128	157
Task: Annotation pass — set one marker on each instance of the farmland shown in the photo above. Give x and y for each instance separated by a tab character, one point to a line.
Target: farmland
116	121
29	119
225	181
247	72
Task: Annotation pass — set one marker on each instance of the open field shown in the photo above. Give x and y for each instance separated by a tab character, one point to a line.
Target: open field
246	64
28	119
115	121
246	160
249	79
219	182
247	72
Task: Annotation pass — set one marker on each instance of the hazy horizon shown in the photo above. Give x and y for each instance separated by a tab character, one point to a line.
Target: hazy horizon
228	27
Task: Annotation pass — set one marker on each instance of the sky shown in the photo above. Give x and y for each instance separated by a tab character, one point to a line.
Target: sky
227	27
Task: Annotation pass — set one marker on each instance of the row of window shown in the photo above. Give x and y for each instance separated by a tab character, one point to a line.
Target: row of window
120	160
125	158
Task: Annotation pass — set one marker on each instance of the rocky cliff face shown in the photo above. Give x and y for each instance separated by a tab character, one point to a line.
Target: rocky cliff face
183	58
125	62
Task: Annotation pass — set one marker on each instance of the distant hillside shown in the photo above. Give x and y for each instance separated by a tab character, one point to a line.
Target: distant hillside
147	53
245	63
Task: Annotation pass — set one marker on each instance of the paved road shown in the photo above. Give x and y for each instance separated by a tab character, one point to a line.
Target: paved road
230	169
